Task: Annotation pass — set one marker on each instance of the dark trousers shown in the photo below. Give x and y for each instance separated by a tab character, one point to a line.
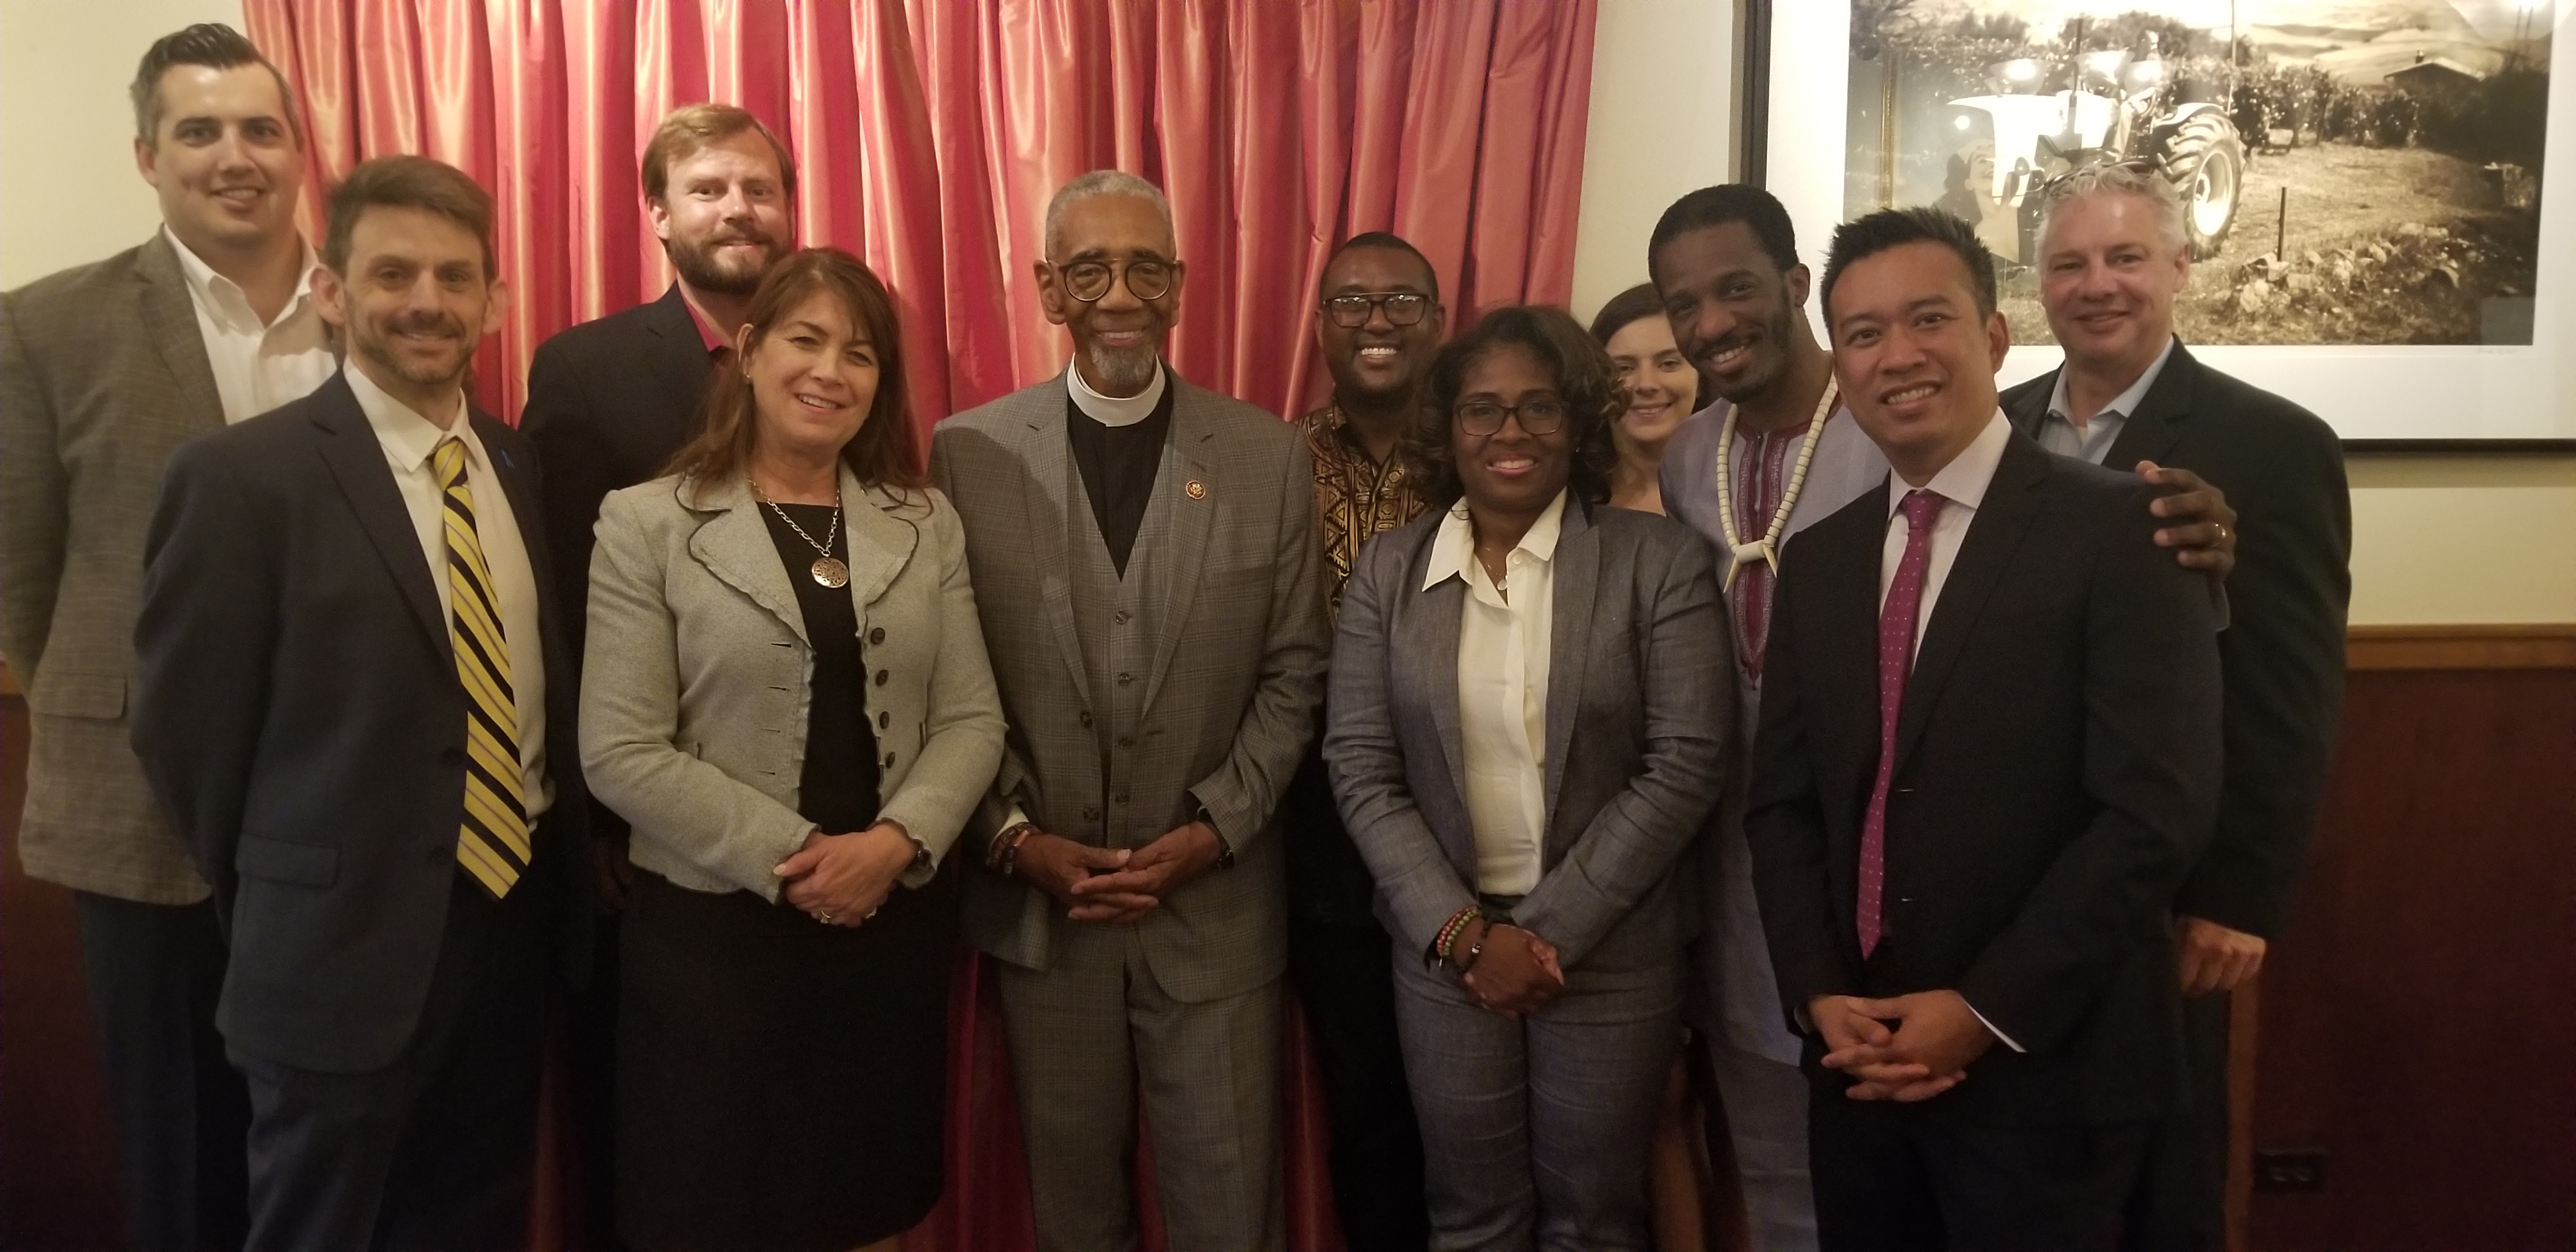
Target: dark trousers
590	1089
438	1149
1906	1177
182	1115
1345	982
2181	1201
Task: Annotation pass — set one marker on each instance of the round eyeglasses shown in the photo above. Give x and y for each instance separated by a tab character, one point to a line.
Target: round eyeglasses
1403	308
1538	415
1088	281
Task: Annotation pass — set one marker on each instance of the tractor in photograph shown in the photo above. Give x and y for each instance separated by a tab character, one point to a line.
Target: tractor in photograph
2115	109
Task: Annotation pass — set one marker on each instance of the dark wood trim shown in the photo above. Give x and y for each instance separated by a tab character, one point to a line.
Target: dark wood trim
2537	645
1753	107
8	682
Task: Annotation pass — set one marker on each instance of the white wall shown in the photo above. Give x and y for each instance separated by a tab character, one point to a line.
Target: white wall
2435	539
68	143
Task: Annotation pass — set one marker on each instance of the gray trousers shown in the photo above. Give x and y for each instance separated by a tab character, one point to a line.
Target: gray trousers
1092	1034
1535	1132
1766	1118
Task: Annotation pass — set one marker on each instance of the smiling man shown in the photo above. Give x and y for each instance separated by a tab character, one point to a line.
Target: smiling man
2112	260
609	402
1985	764
1378	321
348	693
1145	565
104	369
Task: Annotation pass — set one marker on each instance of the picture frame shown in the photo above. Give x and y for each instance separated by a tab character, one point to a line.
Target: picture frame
1796	77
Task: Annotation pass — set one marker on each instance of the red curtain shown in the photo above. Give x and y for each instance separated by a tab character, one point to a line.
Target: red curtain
928	135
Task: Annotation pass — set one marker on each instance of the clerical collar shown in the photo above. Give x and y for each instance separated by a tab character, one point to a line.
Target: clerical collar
1115	410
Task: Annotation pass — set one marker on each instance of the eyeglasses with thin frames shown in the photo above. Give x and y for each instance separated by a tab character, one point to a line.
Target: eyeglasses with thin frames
1538	415
1403	308
1089	281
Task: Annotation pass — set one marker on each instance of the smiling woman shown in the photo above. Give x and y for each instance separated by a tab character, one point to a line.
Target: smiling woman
1661	387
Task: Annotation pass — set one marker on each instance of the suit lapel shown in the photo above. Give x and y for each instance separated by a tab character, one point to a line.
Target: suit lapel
1184	519
2151	433
1841	627
168	314
679	361
1049	460
734	545
518	482
2028	410
880	546
1575	571
357	461
2010	503
1426	643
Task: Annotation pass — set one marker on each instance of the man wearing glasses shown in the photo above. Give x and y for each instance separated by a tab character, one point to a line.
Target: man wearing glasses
1377	322
1145	565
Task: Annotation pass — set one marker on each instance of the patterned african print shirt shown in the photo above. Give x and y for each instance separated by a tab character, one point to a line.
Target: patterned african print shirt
1356	498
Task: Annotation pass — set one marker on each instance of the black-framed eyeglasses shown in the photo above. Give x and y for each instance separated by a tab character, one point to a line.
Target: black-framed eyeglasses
1403	308
1088	281
1539	415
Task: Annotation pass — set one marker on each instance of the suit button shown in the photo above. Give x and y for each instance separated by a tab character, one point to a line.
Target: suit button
1124	679
1091	812
440	856
884	720
1086	719
1120	798
452	758
1119	617
881	678
1126	741
877	635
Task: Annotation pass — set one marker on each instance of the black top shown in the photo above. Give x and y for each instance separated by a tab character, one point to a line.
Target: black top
1118	464
838	790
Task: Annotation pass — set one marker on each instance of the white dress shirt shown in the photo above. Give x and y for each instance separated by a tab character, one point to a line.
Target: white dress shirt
1115	410
1503	639
2092	441
1961	484
410	440
258	366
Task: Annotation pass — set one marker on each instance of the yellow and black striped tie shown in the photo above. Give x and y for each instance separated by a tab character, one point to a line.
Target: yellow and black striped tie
493	843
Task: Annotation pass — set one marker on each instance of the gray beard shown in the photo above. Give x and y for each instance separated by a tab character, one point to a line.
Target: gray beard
1123	371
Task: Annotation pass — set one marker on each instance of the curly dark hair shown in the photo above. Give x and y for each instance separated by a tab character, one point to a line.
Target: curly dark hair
1584	380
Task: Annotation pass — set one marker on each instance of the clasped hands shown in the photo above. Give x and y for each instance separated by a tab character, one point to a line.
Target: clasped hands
841	880
1115	884
1514	973
1928	1052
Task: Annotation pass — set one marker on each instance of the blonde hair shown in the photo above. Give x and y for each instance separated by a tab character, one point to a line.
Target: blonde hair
692	127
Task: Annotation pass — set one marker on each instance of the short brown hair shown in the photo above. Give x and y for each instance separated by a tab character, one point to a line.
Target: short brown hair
408	182
887	450
1584	380
694	126
214	46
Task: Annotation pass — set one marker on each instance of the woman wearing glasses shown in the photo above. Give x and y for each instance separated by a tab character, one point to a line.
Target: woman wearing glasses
786	693
1530	701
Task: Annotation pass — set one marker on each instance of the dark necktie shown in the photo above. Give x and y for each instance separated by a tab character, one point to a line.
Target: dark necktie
1895	663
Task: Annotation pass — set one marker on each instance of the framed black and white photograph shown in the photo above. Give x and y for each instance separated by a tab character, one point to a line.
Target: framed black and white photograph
2362	179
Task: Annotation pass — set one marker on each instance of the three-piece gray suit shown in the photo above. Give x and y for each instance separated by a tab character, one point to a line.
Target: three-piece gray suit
1536	1131
1187	686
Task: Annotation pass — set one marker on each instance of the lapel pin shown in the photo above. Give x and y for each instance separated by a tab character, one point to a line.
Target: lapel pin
1195	489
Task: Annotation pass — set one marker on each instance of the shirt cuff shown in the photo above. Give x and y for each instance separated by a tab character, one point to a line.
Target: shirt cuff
1994	1030
2218	604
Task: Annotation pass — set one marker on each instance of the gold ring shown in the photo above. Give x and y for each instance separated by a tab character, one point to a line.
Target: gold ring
824	917
871	914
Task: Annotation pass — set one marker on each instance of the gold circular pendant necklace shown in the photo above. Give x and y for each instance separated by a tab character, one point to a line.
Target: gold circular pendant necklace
827	569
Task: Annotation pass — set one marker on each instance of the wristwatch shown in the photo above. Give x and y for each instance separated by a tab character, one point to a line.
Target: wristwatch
1224	850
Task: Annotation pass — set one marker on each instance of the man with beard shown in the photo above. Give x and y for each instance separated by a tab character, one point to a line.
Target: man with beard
348	694
2112	259
608	402
1145	564
1377	322
1776	452
104	369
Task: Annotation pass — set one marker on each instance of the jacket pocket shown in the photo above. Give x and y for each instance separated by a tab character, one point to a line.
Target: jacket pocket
305	864
78	693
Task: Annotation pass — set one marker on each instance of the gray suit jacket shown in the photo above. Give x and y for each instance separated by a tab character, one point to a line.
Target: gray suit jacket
102	373
699	673
1640	711
1223	705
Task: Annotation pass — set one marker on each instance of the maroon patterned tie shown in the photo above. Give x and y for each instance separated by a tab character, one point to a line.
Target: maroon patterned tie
1895	662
